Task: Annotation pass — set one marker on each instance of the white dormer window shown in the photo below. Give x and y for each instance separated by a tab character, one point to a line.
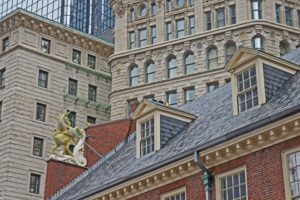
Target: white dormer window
147	137
247	89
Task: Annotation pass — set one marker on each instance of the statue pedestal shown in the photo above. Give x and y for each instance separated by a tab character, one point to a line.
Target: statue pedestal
59	174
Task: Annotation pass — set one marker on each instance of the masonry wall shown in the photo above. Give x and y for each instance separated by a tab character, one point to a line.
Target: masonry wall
19	96
240	34
264	176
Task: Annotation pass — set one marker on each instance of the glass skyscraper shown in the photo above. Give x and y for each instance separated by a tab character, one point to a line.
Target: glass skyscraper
90	16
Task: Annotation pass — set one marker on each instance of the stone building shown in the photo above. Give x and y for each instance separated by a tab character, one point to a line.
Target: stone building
240	141
174	50
45	69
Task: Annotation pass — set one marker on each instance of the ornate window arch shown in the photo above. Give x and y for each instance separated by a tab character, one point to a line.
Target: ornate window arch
212	57
189	62
149	71
133	72
171	62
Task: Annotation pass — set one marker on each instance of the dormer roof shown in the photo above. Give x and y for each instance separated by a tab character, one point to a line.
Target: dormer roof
245	55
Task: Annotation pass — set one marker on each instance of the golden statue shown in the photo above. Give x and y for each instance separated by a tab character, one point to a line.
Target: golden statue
65	135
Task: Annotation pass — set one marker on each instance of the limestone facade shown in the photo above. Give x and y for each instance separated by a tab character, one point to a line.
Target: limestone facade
235	23
21	60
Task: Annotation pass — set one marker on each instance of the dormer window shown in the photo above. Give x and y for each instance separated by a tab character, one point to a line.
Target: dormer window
147	137
247	89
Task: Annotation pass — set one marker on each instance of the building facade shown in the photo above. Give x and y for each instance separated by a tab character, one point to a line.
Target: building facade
174	50
45	69
240	141
92	16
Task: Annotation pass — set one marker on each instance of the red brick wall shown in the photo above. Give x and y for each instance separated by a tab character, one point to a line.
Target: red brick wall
105	137
58	175
264	176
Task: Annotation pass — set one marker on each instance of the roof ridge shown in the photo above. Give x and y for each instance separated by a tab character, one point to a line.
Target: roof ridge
93	167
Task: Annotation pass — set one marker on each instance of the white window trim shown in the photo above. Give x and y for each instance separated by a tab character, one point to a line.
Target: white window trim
180	190
42	182
47	111
221	175
43	150
45	69
287	188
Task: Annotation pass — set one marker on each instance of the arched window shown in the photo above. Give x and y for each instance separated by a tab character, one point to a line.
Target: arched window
230	49
284	48
180	3
258	43
150	72
143	10
133	75
131	14
172	66
212	57
189	63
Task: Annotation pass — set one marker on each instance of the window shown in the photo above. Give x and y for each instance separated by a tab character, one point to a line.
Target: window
212	86
189	95
76	57
180	28
1	103
147	137
208	20
191	2
220	17
132	105
172	98
169	30
2	77
131	14
34	185
5	44
172	66
40	112
150	72
91	62
45	45
153	34
278	13
133	75
292	165
212	57
298	12
189	63
230	49
175	195
131	40
92	93
284	48
91	120
43	79
233	186
256	9
247	89
169	6
232	14
153	8
72	118
289	16
180	3
258	42
192	25
142	37
143	11
38	145
72	87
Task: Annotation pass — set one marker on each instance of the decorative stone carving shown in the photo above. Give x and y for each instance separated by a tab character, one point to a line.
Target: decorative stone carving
65	136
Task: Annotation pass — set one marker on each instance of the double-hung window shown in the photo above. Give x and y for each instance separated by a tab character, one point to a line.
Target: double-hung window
247	89
72	87
256	9
289	16
153	34
5	44
35	182
278	13
189	63
172	98
2	77
91	61
169	5
232	9
131	36
45	45
43	79
150	72
169	30
76	56
220	17
38	144
292	174
153	9
208	20
92	93
40	112
180	28
142	37
189	95
133	75
147	137
192	25
172	67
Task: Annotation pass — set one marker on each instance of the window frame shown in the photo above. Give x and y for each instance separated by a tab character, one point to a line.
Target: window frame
33	147
258	10
171	92
180	31
208	20
192	28
44	116
92	96
70	88
39	192
153	34
220	22
133	77
189	65
41	71
289	21
285	168
151	136
5	44
227	47
210	59
169	30
232	9
92	118
143	41
1	110
169	69
2	77
72	120
219	176
131	39
147	73
185	91
172	193
214	83
48	51
94	64
262	42
278	12
78	52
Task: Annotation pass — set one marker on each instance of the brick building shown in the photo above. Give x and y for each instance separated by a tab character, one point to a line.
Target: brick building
175	50
240	141
45	69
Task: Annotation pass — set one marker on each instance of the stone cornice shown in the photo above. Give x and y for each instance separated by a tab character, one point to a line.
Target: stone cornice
204	35
255	140
22	18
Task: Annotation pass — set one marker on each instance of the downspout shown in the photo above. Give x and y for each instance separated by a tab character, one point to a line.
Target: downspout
207	178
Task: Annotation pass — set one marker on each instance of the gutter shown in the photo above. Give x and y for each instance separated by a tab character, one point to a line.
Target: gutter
238	132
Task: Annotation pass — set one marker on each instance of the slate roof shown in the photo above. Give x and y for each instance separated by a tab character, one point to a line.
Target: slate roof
215	123
293	56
